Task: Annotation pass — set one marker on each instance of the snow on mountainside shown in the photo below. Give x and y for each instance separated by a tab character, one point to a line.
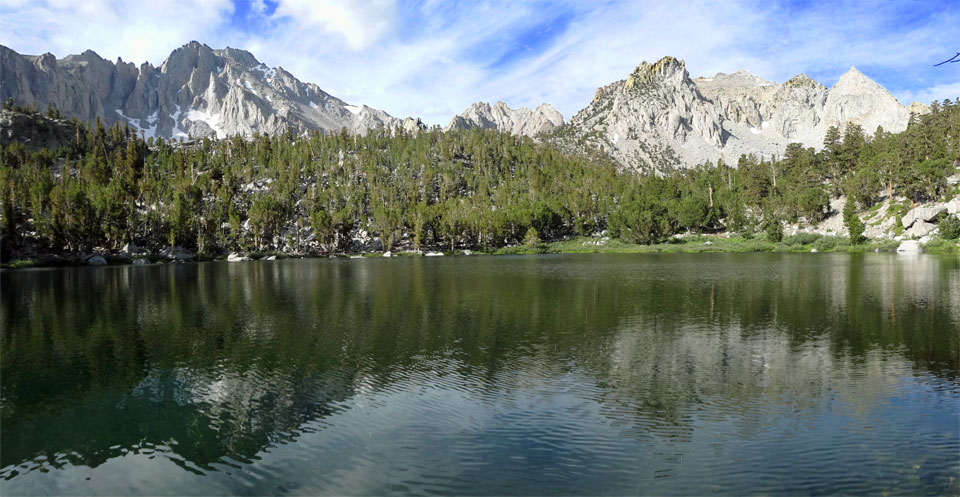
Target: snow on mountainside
197	91
658	118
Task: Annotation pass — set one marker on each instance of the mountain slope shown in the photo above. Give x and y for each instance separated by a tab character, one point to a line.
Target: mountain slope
658	118
197	91
521	121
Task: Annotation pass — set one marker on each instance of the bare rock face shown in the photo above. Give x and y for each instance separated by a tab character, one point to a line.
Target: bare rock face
197	91
659	119
521	121
655	119
858	99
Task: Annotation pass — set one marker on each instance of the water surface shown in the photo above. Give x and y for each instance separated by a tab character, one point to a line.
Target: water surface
590	374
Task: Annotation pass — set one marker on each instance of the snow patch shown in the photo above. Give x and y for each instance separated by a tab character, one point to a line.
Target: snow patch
212	120
753	130
313	105
177	132
353	109
249	87
149	131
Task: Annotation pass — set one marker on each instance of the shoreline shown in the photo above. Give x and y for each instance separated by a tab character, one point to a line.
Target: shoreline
581	245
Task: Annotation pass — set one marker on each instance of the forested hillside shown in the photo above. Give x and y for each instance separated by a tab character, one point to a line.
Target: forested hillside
455	190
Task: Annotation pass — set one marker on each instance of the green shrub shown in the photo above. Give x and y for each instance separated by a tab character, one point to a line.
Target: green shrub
774	230
949	227
532	238
825	243
801	238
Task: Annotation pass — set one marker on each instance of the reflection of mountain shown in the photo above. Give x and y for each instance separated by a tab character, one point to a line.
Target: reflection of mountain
212	363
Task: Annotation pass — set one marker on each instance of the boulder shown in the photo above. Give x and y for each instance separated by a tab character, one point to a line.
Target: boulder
910	247
270	258
434	254
921	229
141	262
925	239
922	214
130	249
388	254
235	257
177	253
467	252
96	260
953	206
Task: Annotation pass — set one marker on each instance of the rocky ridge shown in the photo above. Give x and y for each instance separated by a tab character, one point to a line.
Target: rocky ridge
521	121
197	91
658	118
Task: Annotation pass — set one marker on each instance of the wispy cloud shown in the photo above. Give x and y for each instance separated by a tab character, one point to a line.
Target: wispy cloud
432	58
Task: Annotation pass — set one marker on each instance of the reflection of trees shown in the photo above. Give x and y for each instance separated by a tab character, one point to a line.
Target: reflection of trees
227	359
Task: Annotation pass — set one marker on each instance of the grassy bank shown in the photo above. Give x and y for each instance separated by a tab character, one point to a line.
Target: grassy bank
699	244
690	245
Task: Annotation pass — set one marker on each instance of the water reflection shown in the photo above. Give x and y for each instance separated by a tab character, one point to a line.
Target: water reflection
622	374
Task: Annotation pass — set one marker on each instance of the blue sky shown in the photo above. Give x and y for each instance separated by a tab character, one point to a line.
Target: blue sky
432	58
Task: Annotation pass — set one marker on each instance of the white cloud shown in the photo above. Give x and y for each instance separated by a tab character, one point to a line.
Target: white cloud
936	92
434	59
361	23
136	31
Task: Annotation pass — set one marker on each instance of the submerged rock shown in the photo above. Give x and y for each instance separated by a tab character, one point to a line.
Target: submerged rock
96	260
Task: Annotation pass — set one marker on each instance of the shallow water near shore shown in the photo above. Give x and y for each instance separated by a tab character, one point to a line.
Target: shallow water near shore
553	374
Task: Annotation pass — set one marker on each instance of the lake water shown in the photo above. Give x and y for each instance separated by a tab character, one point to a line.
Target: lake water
589	374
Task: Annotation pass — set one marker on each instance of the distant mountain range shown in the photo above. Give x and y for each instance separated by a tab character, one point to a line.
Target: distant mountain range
657	118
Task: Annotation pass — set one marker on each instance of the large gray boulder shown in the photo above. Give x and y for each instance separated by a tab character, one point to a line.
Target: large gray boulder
235	257
910	247
96	260
922	213
921	229
953	206
177	254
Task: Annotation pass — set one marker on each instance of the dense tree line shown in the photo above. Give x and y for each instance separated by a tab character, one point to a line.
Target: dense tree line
460	189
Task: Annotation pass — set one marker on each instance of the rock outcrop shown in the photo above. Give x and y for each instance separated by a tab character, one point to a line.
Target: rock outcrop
521	121
197	91
35	130
658	118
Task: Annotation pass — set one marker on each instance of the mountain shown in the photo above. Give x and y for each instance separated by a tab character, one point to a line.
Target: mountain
197	91
521	121
658	118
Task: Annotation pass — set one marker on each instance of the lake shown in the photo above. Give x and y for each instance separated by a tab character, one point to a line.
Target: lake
577	375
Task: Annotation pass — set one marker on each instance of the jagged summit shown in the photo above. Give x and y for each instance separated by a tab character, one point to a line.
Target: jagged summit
658	118
802	81
521	121
197	91
666	68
